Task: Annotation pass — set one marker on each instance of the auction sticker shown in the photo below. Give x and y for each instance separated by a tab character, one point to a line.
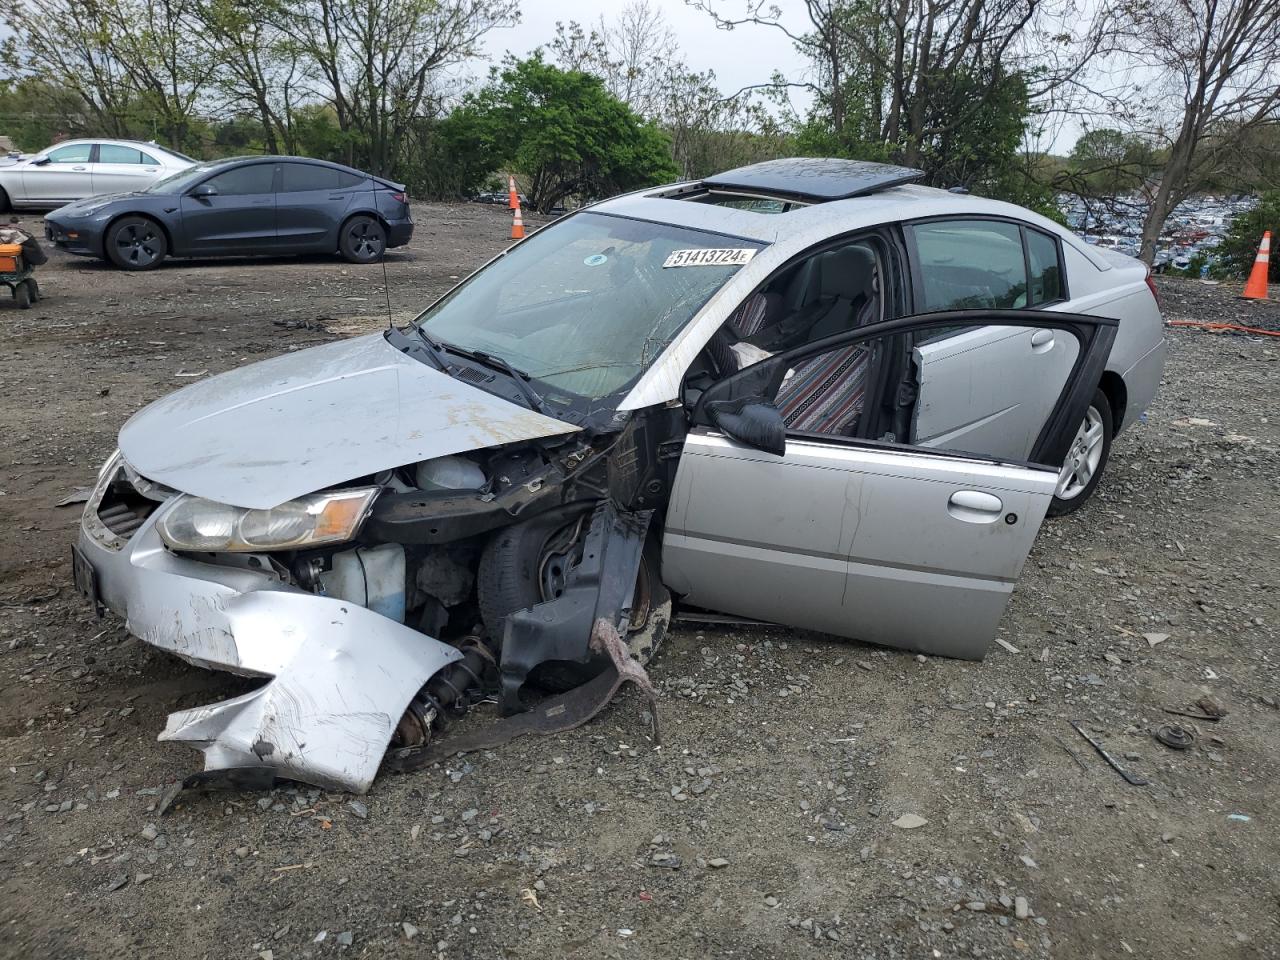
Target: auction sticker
710	257
595	260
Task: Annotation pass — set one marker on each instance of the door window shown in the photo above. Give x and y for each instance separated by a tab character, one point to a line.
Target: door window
970	265
1045	269
72	153
242	181
299	177
114	153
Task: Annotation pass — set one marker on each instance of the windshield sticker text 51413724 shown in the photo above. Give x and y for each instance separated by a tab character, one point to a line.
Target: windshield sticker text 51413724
710	257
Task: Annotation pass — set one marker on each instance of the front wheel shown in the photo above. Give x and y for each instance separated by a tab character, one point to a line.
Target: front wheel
136	243
1086	458
363	240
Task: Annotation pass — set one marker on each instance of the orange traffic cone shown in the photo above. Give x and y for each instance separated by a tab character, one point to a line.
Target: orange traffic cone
517	226
1256	288
513	199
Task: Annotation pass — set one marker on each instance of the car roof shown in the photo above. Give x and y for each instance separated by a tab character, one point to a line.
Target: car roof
813	222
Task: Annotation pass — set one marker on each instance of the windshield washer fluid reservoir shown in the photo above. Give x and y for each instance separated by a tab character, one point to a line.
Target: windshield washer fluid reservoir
373	577
449	473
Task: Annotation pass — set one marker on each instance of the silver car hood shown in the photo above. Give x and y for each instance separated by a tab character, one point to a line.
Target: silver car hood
272	431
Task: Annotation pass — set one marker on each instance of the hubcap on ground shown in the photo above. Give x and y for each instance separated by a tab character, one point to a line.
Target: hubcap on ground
1083	457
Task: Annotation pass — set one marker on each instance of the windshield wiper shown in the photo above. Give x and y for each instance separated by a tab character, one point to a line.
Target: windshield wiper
433	348
518	377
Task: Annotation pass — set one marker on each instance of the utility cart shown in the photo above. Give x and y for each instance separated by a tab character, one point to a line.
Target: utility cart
17	273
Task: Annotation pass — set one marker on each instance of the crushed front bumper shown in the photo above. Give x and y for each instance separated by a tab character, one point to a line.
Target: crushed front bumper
341	675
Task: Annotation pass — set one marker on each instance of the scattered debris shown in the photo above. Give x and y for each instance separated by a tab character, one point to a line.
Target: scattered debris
1242	817
1174	737
1211	707
1155	638
1007	645
78	495
1132	778
910	821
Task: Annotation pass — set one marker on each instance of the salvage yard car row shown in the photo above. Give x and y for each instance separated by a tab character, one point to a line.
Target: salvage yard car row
806	392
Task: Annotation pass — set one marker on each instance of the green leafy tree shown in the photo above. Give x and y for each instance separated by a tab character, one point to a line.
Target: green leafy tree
1240	247
563	131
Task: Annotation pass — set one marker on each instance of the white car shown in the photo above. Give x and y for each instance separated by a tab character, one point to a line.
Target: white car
806	391
75	169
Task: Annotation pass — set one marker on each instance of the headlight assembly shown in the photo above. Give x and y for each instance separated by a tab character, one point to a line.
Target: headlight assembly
209	527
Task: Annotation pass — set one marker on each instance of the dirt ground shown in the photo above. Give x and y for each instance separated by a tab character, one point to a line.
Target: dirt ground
764	826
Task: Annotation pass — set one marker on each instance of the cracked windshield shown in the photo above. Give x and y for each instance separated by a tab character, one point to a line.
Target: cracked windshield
585	306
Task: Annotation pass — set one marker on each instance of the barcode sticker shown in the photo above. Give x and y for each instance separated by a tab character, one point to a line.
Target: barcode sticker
710	257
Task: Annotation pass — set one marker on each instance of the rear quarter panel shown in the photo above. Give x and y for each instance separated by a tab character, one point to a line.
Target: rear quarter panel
1120	291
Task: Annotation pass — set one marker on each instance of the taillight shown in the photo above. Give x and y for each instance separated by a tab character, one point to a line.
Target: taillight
400	197
1151	285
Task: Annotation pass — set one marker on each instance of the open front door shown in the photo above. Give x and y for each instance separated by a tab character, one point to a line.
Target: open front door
877	540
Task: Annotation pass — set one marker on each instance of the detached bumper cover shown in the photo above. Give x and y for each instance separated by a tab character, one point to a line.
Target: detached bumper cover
341	675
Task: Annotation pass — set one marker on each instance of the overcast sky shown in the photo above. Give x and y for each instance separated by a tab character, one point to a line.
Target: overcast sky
740	58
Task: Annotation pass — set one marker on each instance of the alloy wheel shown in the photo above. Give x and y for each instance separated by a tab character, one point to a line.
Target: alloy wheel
366	240
137	243
1083	457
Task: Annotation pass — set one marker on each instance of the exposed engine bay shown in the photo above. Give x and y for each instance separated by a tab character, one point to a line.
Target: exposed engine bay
523	560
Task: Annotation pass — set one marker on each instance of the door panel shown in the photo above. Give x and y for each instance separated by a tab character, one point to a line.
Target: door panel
122	169
67	176
310	205
888	546
981	390
240	218
894	544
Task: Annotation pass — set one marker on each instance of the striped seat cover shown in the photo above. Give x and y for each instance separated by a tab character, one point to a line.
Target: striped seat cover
824	393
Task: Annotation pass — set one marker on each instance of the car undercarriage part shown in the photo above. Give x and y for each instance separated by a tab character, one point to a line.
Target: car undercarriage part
1132	778
555	715
592	582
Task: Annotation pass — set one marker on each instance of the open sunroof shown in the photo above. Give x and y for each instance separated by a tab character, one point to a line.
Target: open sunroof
813	178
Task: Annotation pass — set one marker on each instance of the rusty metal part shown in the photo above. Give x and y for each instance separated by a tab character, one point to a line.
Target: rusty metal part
1174	737
1209	718
554	715
1132	778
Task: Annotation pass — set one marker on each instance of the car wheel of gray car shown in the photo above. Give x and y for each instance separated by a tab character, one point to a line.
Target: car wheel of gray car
1086	459
136	243
363	240
527	564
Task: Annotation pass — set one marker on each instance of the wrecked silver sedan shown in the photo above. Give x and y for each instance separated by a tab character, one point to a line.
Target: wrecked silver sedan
676	394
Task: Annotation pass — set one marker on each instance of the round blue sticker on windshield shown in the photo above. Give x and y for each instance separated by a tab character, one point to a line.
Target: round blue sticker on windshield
595	260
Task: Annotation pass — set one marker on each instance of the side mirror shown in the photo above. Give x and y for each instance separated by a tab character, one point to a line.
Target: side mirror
204	190
755	423
39	161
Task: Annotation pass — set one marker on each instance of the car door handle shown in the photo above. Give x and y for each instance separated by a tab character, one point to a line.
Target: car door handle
975	506
1042	340
77	168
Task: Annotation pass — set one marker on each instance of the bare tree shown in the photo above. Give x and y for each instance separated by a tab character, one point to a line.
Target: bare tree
900	69
377	60
1217	62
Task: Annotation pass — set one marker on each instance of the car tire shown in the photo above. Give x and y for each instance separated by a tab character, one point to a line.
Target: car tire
22	296
5	204
1087	458
510	578
135	243
362	240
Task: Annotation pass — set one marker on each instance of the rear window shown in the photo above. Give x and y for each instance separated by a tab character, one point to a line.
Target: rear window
114	153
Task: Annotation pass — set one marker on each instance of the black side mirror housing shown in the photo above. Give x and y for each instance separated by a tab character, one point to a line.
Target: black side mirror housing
204	190
755	423
39	161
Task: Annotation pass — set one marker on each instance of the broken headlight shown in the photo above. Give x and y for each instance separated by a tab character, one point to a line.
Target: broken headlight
206	526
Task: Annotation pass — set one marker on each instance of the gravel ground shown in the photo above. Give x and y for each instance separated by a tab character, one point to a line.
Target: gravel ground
813	797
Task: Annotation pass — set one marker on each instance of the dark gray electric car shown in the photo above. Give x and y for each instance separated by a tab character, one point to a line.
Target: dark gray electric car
242	206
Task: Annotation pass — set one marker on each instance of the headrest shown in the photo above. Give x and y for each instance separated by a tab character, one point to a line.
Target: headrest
848	272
